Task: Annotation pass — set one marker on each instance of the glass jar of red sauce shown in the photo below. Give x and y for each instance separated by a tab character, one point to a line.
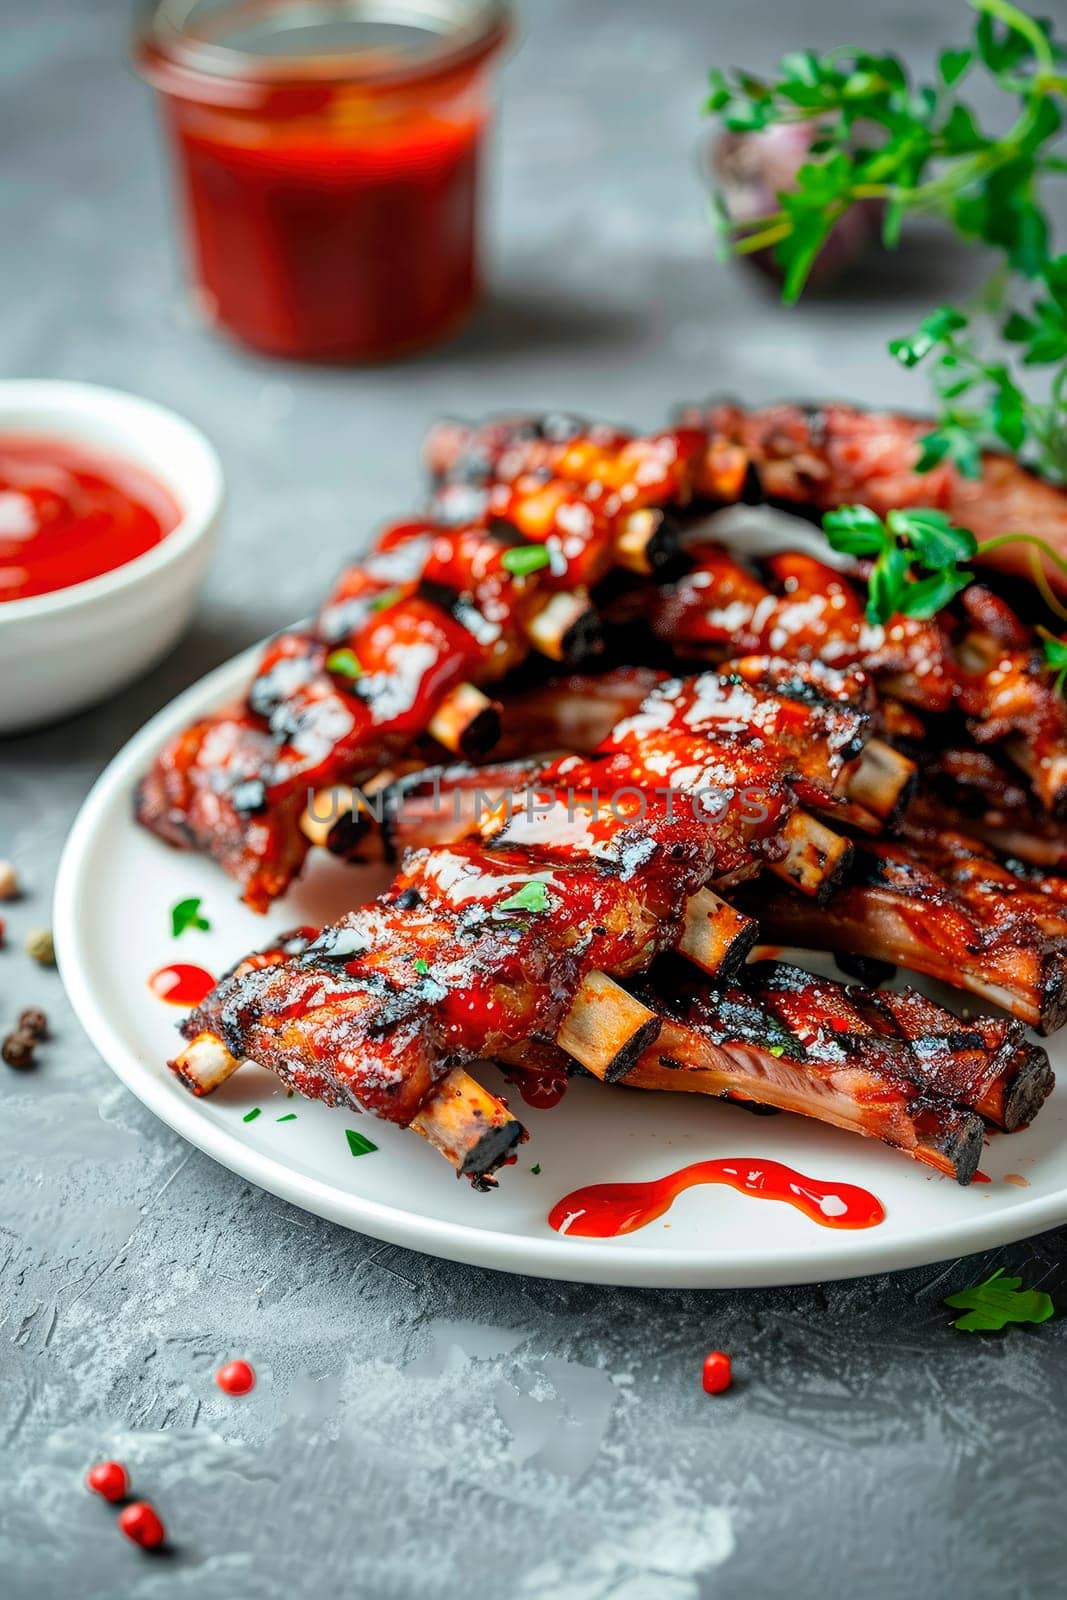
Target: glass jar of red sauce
328	153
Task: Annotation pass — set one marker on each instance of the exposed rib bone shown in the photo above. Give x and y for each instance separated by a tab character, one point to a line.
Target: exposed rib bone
647	541
466	722
815	856
470	1127
204	1064
606	1029
882	781
715	937
566	627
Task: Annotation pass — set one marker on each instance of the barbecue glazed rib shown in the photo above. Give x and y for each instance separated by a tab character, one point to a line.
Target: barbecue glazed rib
894	1066
712	745
471	1128
433	611
812	459
394	656
596	496
973	793
944	906
806	610
890	1066
819	457
485	942
991	668
1009	697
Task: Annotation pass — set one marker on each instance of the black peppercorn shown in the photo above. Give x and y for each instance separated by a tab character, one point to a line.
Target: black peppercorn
33	1022
17	1050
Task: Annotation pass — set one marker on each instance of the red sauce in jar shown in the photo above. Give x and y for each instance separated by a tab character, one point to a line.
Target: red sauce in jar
68	514
331	192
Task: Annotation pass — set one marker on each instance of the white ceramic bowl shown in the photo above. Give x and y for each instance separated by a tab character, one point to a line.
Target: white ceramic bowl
61	652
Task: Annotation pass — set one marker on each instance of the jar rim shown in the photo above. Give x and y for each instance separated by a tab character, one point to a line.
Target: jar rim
460	32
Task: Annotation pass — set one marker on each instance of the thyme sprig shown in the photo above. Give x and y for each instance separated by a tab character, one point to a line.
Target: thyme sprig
920	147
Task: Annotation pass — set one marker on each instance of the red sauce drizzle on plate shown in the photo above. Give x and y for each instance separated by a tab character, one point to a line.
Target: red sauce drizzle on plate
540	1088
68	514
605	1210
181	984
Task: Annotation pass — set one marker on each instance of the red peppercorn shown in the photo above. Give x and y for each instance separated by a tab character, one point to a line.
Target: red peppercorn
717	1374
109	1479
236	1377
140	1523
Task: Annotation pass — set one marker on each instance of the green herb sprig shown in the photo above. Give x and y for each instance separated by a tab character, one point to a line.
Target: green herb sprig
1055	652
991	1305
920	147
917	556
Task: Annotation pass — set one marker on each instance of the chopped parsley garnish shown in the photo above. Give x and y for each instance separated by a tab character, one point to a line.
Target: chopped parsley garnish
387	598
250	1116
533	896
522	559
358	1145
422	967
186	914
536	1169
289	1117
997	1301
343	664
776	1049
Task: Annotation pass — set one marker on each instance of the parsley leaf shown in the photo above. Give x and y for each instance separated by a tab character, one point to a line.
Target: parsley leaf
932	536
998	1301
1055	657
343	664
186	914
522	559
855	531
533	896
903	545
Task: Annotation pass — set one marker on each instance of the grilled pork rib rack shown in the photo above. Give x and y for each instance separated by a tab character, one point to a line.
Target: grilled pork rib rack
487	941
512	943
411	638
732	754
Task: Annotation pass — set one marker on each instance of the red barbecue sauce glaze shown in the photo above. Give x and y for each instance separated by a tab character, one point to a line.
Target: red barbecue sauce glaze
606	1210
540	1088
181	984
68	514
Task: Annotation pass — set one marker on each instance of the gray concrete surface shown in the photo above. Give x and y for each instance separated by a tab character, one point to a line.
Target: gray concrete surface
421	1429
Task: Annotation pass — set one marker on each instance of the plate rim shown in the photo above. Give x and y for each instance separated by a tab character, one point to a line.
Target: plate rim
840	1256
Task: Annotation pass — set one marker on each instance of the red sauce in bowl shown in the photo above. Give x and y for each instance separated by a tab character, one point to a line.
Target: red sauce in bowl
68	513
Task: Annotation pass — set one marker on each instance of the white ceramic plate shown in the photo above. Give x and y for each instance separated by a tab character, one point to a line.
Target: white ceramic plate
112	923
